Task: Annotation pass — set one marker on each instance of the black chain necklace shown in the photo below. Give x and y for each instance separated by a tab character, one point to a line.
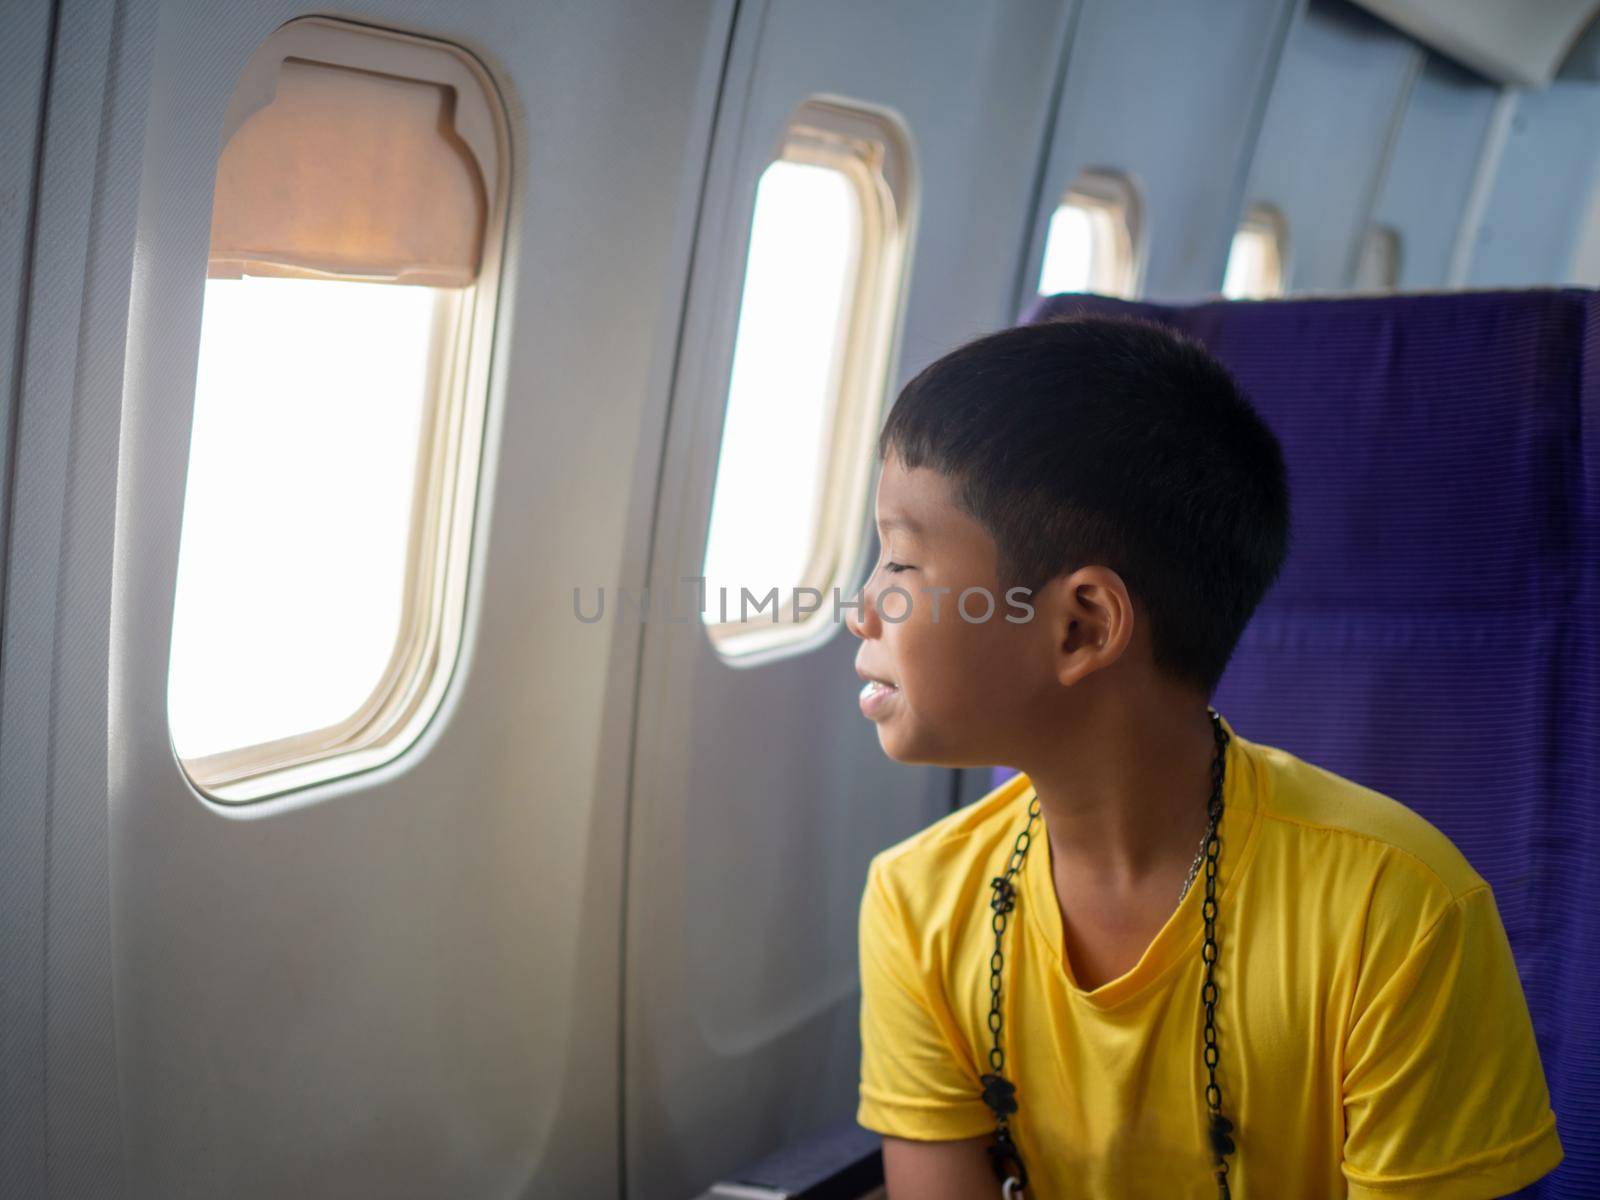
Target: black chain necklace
999	1093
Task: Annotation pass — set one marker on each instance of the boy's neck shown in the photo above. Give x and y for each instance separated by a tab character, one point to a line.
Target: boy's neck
1124	796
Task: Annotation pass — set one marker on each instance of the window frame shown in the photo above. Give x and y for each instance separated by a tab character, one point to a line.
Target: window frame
411	687
872	148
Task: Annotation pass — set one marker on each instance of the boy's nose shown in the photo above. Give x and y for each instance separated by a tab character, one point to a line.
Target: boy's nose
863	621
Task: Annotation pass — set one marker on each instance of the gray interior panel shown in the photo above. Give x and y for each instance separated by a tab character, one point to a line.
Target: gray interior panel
1341	90
1431	174
1533	219
1133	103
60	1063
1511	41
24	68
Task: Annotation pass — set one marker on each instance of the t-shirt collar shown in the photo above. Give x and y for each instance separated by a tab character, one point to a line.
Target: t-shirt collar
1180	937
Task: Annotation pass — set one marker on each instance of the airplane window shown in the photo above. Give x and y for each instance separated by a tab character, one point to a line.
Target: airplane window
1378	269
810	367
1092	240
338	408
1256	259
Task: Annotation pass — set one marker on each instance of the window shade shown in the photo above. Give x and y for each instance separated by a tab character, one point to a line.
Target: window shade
351	174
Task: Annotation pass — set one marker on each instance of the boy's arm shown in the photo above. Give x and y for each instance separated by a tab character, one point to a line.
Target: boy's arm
917	1088
1444	1093
939	1170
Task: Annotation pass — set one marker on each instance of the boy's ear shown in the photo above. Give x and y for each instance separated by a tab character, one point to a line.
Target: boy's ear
1092	621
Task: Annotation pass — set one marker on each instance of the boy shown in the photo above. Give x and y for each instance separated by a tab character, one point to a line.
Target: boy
1036	966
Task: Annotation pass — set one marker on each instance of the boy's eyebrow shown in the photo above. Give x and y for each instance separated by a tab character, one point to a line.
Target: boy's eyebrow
900	521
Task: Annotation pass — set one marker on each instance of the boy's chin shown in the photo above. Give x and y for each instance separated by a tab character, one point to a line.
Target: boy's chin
912	753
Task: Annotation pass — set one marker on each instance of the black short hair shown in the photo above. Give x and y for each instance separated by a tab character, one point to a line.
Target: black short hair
1118	442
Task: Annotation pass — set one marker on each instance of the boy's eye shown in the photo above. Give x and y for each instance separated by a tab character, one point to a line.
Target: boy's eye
895	568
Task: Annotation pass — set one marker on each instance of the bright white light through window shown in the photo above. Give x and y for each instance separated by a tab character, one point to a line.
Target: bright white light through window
804	248
297	518
1255	260
1068	252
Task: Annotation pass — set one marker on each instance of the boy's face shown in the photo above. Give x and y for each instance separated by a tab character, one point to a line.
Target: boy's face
963	690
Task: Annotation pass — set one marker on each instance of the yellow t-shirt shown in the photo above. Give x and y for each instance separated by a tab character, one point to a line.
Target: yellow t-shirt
1373	1036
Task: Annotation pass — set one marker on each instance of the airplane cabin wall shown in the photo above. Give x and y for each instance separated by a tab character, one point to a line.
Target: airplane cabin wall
1342	88
405	982
1404	139
1446	136
1134	103
60	1130
1541	199
24	56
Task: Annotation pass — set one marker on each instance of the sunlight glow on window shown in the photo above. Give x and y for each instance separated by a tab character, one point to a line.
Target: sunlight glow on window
309	404
1089	246
804	248
1255	260
1068	252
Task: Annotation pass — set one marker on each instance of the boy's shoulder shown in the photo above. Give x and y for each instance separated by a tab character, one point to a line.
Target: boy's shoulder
1328	817
957	832
942	867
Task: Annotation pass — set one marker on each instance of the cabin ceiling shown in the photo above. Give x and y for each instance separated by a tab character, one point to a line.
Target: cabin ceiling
1513	41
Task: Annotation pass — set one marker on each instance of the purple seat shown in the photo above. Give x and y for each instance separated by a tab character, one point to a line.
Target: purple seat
1435	634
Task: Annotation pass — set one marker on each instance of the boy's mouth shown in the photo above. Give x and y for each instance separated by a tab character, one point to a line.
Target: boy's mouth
875	694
